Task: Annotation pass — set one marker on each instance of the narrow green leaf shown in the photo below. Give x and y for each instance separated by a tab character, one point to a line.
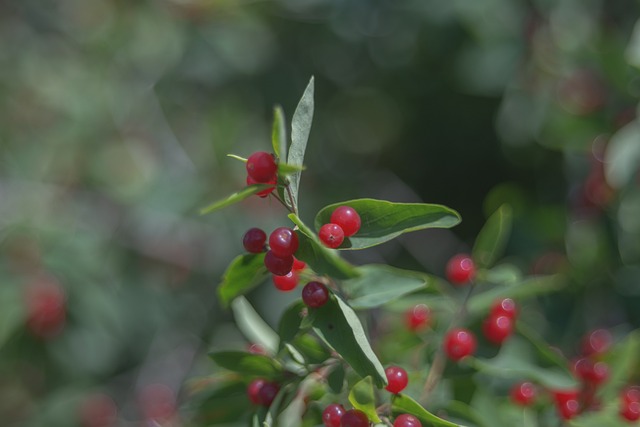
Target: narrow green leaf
383	220
493	237
289	324
379	284
320	258
247	363
291	416
300	128
404	404
623	361
335	380
362	397
339	326
226	404
622	158
312	350
279	134
502	274
233	156
12	312
544	351
252	326
243	274
286	169
245	193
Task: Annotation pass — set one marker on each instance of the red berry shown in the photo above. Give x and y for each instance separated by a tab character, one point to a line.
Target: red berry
497	329
631	394
562	396
315	294
332	414
523	393
354	418
253	390
264	193
278	266
630	411
261	166
267	393
298	265
158	402
596	342
98	410
331	235
460	269
568	409
406	420
254	240
46	312
598	374
283	242
504	307
459	343
347	218
286	283
397	379
418	317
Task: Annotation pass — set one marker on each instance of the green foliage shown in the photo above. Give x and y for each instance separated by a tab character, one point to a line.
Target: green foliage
248	364
362	397
493	237
243	274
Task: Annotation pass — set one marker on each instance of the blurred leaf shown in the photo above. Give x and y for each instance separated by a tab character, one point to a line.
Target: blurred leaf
247	363
227	403
245	193
632	53
545	352
286	169
279	134
622	158
623	363
243	274
335	379
493	238
300	128
383	220
252	326
362	397
291	416
403	404
608	416
12	313
339	326
503	274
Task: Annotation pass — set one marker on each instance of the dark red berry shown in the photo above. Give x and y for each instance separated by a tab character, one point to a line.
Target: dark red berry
497	329
254	240
253	390
332	414
331	235
460	269
596	342
354	418
283	242
286	283
46	308
261	166
630	411
267	393
504	307
298	265
406	420
347	218
459	343
98	410
523	393
263	193
278	266
315	294
397	379
418	317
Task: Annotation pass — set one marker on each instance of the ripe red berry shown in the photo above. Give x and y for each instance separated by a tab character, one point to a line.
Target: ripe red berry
598	374
631	394
354	418
497	329
418	317
562	396
267	393
630	411
332	414
331	235
568	409
286	283
504	307
253	390
523	393
347	218
263	193
254	240
298	265
46	312
278	266
98	410
596	342
406	420
315	294
459	343
460	269
283	242
261	166
397	379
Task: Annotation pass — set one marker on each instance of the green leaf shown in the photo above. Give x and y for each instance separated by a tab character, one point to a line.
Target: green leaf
404	404
335	379
383	220
225	404
300	128
12	312
252	326
311	349
233	156
502	274
320	258
623	361
245	193
286	169
248	363
289	324
362	397
379	284
338	325
493	237
609	416
542	347
279	133
243	274
622	158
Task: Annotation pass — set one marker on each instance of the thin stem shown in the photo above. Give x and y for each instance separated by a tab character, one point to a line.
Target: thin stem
283	203
293	205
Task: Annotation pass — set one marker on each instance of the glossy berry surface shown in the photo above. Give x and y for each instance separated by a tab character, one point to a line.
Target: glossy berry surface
460	269
315	294
332	415
630	411
278	266
596	342
286	283
261	166
263	193
354	418
397	379
418	317
267	393
331	235
254	240
283	242
524	393
348	219
459	343
46	309
497	329
253	390
504	307
406	420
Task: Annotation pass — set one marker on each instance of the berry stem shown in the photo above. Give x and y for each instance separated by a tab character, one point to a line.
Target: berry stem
293	208
283	203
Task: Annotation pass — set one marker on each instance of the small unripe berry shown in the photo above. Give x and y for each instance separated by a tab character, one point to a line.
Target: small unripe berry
523	393
331	235
261	166
459	343
278	266
460	269
254	240
286	283
354	418
332	414
406	420
497	329
347	218
283	242
397	379
315	294
418	317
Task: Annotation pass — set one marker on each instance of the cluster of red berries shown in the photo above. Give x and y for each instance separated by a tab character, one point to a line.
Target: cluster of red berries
345	222
283	243
262	392
335	415
498	326
262	169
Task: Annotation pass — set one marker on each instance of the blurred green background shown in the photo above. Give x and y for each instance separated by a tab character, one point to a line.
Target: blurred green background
116	118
